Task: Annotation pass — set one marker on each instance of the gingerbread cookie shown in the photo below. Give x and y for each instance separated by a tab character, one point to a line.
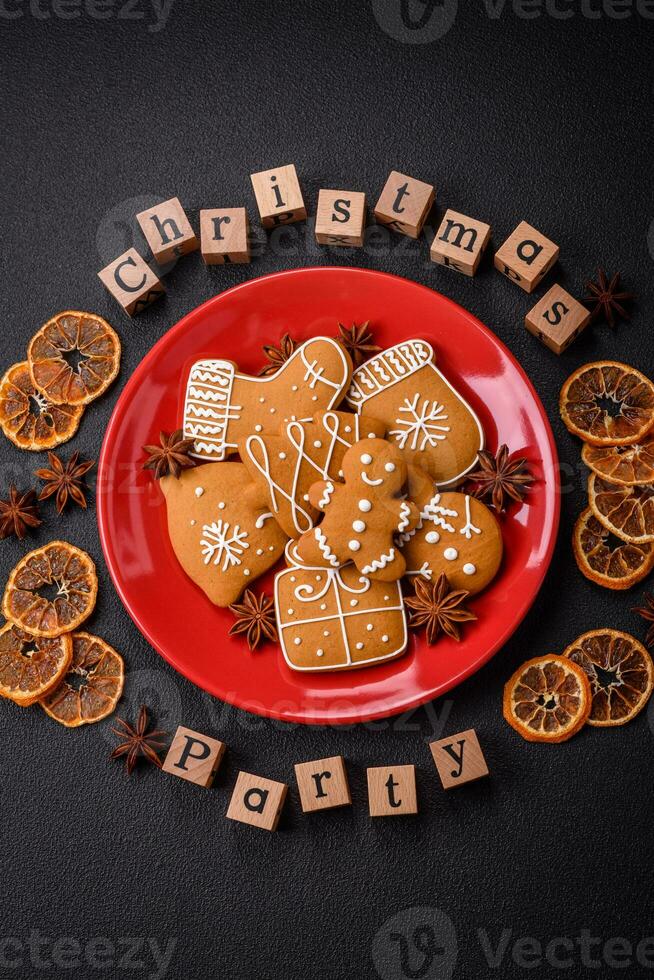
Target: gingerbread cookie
457	535
362	514
288	463
336	618
222	406
223	537
430	422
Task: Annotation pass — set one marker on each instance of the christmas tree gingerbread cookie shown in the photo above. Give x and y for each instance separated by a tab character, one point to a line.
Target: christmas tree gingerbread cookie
222	406
286	464
336	618
362	514
223	537
427	418
456	535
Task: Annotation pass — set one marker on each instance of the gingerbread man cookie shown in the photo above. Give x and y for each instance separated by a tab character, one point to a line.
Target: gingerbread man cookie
336	618
223	537
362	514
456	535
288	463
222	406
430	421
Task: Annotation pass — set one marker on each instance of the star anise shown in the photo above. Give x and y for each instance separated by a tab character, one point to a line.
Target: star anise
171	456
255	616
500	477
647	612
64	480
18	513
606	298
358	341
277	355
138	742
439	608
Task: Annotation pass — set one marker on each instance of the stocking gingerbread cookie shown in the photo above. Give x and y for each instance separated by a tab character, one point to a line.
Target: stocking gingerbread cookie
456	535
223	537
362	514
286	464
431	423
223	407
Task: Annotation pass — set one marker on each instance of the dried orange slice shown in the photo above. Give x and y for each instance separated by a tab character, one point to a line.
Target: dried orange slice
51	590
608	403
31	666
548	699
74	357
607	560
92	687
626	511
620	671
627	465
28	419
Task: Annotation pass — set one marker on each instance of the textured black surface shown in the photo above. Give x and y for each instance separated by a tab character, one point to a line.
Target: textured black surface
542	118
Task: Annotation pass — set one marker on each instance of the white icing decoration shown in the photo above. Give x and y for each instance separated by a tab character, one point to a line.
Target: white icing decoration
328	491
354	602
370	627
469	528
261	519
348	428
424	570
221	544
385	638
317	444
450	554
199	491
320	653
246	571
325	632
262	399
259	551
282	455
366	459
297	641
371	483
469	568
405	517
433	511
359	646
359	526
354	545
193	523
291	611
325	550
221	505
422	425
258	427
365	506
432	537
377	564
389	467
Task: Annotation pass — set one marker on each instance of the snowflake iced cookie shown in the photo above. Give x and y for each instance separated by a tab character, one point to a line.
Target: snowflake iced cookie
457	535
427	418
336	618
362	514
222	406
286	464
223	537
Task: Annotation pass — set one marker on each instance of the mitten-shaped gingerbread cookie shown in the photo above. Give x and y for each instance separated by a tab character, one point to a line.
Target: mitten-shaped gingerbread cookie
428	419
362	514
222	406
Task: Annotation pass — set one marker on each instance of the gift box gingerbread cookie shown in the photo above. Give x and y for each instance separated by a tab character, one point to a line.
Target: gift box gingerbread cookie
429	420
336	618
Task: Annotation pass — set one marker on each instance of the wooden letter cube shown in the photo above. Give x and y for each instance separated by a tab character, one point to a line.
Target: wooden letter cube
131	282
322	784
257	801
404	204
557	319
459	242
224	235
167	230
194	756
526	257
279	196
392	791
459	759
340	218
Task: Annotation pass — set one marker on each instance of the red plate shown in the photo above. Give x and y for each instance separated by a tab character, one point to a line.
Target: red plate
176	617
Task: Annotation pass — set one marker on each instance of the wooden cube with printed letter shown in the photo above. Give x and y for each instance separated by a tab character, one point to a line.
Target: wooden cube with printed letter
459	759
557	319
194	756
131	282
392	791
322	784
459	242
526	257
340	218
279	196
224	235
404	204
168	231
257	801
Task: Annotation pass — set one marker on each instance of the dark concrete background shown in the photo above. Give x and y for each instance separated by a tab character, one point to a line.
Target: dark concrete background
517	113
